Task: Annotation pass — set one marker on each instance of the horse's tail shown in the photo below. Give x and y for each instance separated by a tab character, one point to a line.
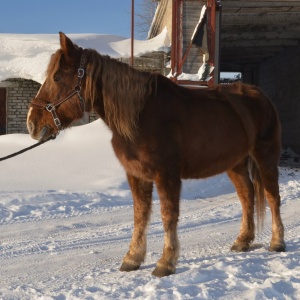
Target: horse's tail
259	193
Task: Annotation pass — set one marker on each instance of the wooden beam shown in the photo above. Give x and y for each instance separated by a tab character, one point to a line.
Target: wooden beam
260	43
249	55
227	36
259	4
267	19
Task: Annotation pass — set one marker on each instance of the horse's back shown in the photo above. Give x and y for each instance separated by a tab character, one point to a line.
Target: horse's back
214	129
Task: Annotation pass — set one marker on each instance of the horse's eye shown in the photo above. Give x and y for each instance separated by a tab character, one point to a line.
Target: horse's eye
56	77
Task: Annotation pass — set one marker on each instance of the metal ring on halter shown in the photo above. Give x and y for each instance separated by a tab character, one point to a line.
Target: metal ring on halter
80	72
50	107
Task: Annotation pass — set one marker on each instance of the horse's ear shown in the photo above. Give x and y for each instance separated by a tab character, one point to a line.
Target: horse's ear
66	45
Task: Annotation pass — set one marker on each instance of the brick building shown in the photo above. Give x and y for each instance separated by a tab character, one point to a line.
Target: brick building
15	95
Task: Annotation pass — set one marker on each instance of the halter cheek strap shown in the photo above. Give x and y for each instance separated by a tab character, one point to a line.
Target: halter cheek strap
51	107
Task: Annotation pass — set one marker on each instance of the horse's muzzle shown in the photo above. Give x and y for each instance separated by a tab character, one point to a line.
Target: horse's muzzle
46	134
43	134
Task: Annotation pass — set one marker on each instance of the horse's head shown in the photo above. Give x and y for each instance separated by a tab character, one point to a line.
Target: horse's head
59	101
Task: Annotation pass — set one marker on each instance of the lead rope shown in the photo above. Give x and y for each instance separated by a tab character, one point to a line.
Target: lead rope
25	149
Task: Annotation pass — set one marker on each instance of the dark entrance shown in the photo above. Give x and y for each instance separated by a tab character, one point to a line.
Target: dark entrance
2	111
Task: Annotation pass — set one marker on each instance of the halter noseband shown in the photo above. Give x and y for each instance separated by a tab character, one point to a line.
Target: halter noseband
51	107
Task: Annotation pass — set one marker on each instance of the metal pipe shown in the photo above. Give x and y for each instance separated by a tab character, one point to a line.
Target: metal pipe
174	37
179	36
132	34
217	43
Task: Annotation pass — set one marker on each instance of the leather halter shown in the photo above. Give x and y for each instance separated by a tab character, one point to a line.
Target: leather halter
51	107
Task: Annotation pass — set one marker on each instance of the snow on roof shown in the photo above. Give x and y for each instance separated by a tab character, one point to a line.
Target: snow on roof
27	55
159	43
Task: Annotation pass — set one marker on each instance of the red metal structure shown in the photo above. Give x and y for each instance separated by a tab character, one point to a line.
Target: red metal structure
178	58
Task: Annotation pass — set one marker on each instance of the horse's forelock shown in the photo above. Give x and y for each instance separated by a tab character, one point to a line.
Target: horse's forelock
54	63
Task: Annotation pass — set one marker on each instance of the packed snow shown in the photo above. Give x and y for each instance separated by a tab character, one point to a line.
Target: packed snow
67	217
27	55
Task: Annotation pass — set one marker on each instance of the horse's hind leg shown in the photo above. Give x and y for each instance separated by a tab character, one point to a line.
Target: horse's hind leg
169	192
239	176
267	160
142	199
272	193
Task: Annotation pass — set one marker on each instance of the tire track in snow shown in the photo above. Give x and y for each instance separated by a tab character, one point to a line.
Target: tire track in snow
77	231
206	227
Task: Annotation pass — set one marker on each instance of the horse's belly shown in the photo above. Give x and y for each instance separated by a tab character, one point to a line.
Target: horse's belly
205	162
204	169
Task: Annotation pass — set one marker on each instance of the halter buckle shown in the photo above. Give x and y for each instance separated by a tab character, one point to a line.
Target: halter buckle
80	72
57	123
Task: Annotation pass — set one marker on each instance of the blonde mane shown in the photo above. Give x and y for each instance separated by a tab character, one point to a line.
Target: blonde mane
124	91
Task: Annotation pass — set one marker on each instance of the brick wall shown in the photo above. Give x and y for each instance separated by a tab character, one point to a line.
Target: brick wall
279	77
19	94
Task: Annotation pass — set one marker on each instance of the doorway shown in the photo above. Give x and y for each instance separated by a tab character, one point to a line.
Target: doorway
2	111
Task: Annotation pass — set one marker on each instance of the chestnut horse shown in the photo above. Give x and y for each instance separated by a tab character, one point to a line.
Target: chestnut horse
162	133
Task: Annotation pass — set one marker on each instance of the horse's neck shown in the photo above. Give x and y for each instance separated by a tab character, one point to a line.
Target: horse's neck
124	92
124	76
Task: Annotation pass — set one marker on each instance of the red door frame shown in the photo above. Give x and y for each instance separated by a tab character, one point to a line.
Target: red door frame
177	59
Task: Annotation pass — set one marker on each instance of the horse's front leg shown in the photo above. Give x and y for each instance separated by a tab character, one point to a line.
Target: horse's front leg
169	192
142	200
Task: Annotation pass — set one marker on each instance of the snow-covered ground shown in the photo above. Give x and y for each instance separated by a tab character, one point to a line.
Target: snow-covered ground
66	222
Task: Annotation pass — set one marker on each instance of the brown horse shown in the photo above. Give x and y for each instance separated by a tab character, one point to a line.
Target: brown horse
163	133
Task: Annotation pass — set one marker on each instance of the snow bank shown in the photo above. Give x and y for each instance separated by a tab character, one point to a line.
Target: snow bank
86	150
27	55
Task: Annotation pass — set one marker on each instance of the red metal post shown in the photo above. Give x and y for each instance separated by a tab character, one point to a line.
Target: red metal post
176	49
179	36
211	28
174	36
177	60
132	34
211	35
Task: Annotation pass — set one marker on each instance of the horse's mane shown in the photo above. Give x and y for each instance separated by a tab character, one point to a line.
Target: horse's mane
124	91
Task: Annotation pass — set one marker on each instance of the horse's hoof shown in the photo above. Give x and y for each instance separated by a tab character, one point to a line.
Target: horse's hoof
162	272
126	267
239	247
277	247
